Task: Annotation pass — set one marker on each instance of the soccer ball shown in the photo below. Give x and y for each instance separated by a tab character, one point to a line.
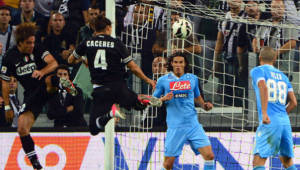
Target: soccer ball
182	28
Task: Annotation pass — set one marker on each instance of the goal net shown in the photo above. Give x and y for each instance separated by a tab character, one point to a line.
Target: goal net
231	124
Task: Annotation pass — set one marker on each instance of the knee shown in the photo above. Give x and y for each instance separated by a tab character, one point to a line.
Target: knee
209	156
23	131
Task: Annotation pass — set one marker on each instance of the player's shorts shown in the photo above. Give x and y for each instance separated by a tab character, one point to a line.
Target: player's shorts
34	100
177	137
116	92
273	140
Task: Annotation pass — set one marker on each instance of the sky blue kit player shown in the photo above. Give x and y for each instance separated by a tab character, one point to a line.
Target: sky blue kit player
178	89
274	133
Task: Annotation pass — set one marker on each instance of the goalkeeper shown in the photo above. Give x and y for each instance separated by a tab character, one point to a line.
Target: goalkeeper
181	91
273	91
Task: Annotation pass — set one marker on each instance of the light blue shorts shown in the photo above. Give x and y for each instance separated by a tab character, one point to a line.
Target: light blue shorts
177	137
274	140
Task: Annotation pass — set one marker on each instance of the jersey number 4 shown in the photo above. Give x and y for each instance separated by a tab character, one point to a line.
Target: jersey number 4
277	91
100	60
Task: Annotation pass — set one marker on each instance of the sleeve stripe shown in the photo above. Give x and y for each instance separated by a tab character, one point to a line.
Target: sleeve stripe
290	89
45	54
126	60
4	77
76	55
259	79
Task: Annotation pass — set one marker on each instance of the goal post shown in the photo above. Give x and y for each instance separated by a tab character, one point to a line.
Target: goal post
109	146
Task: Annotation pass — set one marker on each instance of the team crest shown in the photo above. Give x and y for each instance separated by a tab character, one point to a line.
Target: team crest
3	69
26	58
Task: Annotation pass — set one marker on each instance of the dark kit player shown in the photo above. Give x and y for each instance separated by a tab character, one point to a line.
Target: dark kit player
31	66
107	57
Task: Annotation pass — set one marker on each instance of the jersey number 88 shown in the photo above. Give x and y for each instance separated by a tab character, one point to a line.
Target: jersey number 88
277	91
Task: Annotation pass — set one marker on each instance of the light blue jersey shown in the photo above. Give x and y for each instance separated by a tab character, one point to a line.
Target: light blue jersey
278	87
276	137
182	120
181	110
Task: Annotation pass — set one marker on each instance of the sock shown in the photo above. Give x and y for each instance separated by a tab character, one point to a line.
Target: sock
102	120
293	167
55	81
259	168
28	147
163	168
209	165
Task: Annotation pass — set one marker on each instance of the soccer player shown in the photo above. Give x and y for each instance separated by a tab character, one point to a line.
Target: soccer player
275	99
180	91
106	58
30	64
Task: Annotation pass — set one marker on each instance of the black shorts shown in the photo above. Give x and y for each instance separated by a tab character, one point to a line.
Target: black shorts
34	100
105	96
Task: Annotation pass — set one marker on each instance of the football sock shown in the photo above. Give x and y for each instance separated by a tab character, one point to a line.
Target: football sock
209	165
259	168
28	147
102	120
163	168
293	167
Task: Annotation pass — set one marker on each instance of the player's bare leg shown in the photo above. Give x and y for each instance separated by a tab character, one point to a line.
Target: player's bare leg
25	122
287	163
208	156
259	162
168	163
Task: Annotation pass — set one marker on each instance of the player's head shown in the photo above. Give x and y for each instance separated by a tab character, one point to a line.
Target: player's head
93	12
25	37
267	55
174	17
62	71
5	16
178	63
277	10
13	85
102	25
57	22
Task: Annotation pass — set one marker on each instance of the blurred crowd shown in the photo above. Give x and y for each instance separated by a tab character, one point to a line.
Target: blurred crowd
218	49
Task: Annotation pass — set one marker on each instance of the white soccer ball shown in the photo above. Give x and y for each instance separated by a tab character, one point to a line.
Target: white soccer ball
182	28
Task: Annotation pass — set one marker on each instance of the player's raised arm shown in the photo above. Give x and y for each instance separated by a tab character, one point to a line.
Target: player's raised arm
263	91
138	72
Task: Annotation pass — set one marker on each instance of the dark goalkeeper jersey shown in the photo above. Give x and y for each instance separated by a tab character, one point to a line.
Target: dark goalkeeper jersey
107	57
21	66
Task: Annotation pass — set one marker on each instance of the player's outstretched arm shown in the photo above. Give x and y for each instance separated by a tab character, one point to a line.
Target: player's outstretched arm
138	72
73	60
292	102
263	91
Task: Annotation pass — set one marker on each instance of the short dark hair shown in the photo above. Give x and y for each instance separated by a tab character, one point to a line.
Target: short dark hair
181	54
62	67
4	7
94	6
24	31
100	23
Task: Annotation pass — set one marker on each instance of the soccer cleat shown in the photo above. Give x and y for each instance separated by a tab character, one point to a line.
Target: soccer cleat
149	100
116	112
36	164
68	86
